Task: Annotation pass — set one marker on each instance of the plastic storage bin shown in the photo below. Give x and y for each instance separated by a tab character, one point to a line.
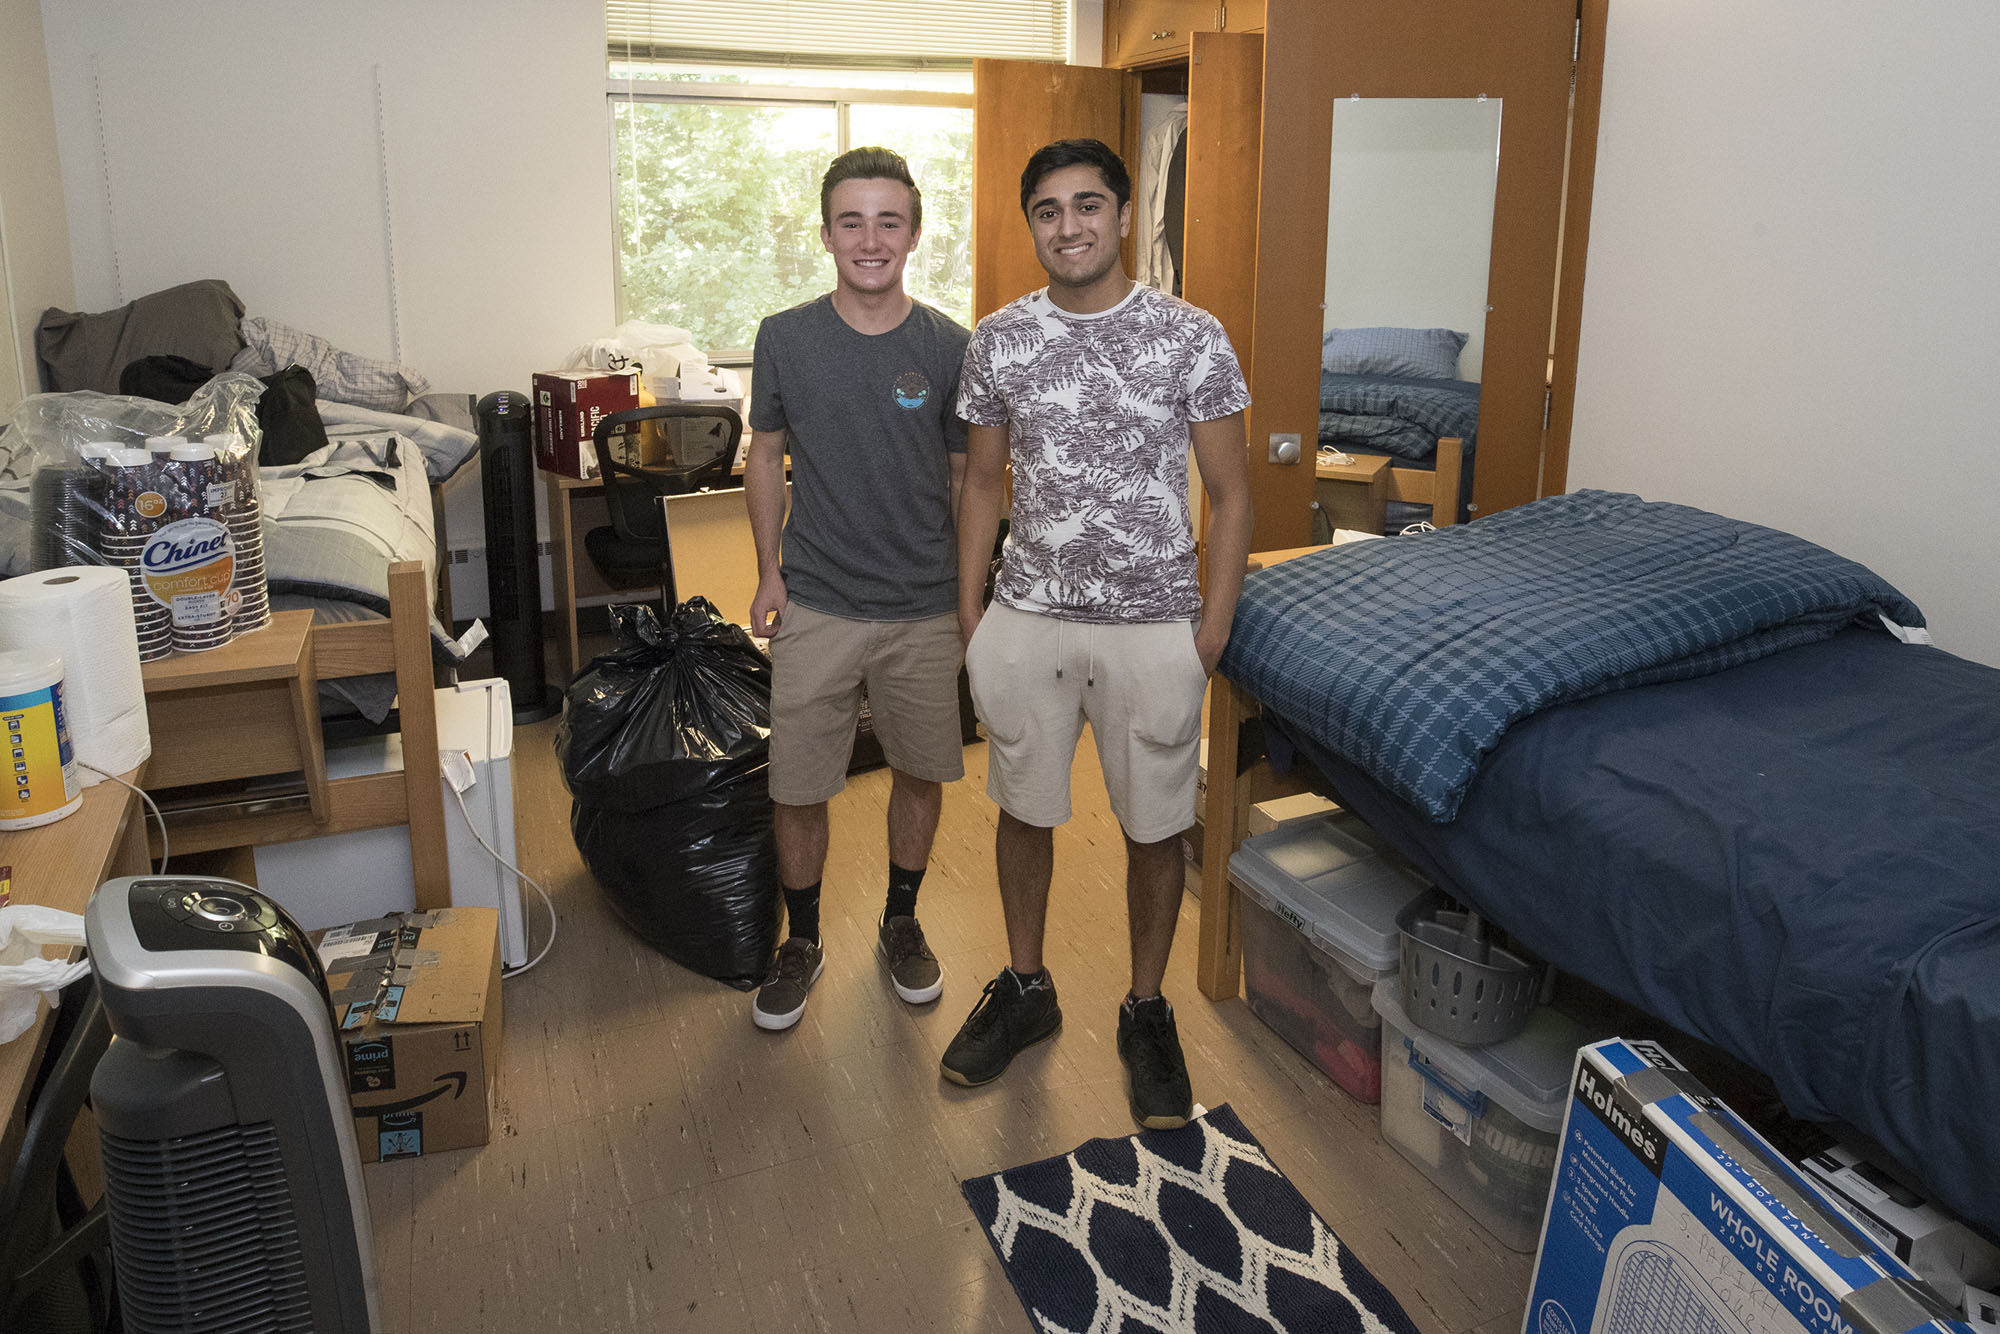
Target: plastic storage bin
1319	931
1483	1123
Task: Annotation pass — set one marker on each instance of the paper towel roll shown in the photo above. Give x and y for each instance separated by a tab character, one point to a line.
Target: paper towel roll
83	614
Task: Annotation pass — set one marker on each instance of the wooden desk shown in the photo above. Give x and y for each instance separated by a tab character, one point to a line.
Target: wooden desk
714	555
59	866
248	708
1355	494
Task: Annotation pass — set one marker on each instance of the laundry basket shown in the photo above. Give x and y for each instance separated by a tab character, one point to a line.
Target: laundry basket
1459	983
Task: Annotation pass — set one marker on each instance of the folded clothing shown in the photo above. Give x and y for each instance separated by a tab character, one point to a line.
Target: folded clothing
198	320
342	377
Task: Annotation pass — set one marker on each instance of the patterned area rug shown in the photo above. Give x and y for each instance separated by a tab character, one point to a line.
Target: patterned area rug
1174	1231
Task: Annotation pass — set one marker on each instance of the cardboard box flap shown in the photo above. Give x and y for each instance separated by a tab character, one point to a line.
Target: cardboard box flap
413	968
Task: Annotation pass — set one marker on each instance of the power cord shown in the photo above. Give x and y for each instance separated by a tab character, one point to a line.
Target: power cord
492	852
149	806
1333	458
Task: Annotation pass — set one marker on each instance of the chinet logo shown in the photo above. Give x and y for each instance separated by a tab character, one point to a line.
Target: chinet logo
172	550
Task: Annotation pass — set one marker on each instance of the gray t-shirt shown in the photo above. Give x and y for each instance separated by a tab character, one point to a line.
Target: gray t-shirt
1098	408
872	425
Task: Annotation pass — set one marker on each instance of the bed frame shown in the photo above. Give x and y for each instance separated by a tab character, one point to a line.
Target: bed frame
402	645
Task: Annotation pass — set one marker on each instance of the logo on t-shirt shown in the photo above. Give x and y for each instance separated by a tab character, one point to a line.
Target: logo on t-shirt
912	389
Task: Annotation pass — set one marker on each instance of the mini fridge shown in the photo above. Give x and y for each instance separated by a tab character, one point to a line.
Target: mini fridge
345	878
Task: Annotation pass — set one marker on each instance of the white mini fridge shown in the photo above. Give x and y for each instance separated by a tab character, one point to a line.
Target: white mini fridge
352	877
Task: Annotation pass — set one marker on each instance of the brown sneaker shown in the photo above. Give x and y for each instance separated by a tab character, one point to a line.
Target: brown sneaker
913	969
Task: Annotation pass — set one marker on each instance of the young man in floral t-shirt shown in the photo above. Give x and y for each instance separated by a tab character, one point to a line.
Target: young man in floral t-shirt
1102	385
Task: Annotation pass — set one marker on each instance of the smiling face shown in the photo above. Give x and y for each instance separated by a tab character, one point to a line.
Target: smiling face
1077	223
869	234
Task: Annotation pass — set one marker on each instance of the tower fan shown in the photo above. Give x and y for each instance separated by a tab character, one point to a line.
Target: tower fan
513	567
232	1184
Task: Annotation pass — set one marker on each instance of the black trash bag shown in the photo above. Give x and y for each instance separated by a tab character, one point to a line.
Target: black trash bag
665	744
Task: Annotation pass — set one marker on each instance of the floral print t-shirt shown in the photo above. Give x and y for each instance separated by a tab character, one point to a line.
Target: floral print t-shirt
1098	408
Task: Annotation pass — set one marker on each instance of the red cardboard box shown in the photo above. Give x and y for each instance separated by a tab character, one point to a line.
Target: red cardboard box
568	406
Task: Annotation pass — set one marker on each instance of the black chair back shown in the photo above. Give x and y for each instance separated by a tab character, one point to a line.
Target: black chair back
635	492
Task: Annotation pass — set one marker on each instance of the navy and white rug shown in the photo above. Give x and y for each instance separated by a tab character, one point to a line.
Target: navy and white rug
1172	1231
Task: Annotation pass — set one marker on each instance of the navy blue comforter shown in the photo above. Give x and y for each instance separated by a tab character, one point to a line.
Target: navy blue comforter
1797	860
1402	415
1411	657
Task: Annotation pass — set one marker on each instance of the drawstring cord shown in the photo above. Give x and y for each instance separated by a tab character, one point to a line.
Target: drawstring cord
1090	653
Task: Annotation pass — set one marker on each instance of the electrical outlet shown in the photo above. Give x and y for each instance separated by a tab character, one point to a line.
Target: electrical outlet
1285	447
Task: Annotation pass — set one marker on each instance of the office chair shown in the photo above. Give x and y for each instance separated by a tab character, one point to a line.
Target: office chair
634	547
55	1256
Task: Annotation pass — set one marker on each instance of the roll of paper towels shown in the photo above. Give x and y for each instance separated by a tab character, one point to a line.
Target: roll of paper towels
83	615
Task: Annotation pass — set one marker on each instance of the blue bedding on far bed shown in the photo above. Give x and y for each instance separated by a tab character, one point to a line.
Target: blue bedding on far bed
1413	656
1797	860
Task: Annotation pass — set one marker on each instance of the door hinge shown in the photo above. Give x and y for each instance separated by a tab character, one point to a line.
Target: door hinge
1548	406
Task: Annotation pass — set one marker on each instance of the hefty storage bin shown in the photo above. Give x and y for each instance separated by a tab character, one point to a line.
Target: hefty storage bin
1483	1123
1319	931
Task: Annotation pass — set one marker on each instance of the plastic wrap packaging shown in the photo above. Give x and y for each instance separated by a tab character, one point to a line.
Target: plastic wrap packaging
665	746
168	493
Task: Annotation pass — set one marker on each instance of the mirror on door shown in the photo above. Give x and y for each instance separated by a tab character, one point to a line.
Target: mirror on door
1409	241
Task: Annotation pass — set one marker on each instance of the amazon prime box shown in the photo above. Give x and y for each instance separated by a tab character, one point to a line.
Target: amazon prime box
416	1001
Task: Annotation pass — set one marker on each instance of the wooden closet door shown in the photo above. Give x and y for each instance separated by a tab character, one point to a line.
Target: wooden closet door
1225	120
1318	51
1018	106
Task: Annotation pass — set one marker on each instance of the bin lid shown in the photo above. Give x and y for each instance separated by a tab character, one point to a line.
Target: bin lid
1334	888
1528	1074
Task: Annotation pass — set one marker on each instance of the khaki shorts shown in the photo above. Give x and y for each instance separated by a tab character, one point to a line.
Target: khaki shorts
1036	680
820	664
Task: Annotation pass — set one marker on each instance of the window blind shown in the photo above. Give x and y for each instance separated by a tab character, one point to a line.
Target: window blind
906	32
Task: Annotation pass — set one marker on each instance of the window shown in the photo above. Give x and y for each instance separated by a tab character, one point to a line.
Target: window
717	191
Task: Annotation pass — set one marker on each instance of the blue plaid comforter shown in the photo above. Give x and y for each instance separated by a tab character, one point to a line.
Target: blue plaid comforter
1411	657
1397	414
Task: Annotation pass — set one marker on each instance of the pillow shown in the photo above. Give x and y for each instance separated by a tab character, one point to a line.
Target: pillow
1431	354
342	377
196	320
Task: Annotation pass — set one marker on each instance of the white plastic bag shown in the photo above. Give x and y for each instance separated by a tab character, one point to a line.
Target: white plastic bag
25	976
637	345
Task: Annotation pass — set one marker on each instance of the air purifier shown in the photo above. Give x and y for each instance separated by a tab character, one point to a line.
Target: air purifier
513	565
232	1183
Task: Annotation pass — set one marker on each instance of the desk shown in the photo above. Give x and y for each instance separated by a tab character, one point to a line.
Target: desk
59	866
1355	494
714	555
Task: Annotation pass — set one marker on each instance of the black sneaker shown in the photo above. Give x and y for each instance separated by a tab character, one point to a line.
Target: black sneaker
1011	1017
1156	1077
782	999
913	969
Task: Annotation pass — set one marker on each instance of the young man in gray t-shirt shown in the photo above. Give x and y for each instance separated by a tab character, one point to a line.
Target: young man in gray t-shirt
858	585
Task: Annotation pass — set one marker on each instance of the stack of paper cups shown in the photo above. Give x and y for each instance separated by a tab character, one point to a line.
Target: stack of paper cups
83	615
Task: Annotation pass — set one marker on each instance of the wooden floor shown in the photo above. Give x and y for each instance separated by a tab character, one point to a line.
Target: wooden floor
660	1164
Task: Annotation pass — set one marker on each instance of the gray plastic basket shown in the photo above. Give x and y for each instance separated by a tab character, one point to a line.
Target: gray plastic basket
1456	982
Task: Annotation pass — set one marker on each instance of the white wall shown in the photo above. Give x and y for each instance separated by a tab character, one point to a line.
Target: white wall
1792	310
250	142
34	237
1410	216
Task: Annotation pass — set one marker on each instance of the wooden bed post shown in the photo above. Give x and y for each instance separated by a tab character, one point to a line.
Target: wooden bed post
410	622
1225	816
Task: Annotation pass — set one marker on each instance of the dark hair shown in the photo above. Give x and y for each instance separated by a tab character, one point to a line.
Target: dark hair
1076	153
869	164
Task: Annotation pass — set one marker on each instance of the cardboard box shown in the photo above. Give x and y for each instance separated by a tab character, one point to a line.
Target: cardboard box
416	1000
1268	815
1945	1252
568	406
1670	1213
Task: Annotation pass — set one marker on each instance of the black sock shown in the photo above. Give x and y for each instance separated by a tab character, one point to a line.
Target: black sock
1026	981
903	886
802	911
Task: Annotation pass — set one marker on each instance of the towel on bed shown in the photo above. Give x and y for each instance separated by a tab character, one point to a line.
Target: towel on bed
1412	657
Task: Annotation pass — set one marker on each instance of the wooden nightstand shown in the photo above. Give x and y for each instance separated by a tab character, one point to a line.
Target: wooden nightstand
248	708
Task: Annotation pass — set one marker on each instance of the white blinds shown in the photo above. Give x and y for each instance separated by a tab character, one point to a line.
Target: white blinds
911	32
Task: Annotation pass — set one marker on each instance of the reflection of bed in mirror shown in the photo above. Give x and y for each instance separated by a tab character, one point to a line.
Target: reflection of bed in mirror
1409	240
